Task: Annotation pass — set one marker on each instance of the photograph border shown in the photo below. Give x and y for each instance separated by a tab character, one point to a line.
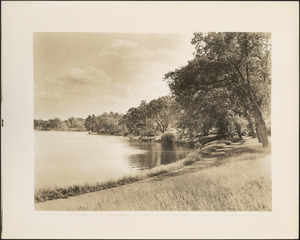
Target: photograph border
21	19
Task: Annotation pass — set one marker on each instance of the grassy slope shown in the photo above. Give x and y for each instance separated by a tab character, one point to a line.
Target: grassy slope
230	178
50	193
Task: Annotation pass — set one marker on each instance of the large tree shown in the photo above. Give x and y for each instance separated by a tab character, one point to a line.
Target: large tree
211	110
107	123
136	119
160	110
237	63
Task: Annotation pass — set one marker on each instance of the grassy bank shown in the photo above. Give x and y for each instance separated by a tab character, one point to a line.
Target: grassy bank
50	193
238	186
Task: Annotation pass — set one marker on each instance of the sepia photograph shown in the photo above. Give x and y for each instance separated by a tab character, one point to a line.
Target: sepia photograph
152	122
149	120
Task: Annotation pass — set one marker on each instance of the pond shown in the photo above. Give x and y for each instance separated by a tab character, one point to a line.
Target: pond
66	158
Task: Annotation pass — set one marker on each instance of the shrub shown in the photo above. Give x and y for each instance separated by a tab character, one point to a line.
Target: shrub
188	162
167	138
125	134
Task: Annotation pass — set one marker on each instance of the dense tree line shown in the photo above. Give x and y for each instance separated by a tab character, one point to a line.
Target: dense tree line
71	124
144	120
106	123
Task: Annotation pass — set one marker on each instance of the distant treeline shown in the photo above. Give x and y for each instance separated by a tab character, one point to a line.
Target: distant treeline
71	124
155	118
148	119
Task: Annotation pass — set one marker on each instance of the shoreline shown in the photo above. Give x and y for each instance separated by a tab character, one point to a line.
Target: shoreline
44	194
61	130
192	142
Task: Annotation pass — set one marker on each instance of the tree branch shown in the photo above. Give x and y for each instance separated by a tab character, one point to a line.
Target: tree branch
247	68
238	70
216	84
158	122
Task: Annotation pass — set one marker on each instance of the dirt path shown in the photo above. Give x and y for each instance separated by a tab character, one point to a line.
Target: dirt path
214	154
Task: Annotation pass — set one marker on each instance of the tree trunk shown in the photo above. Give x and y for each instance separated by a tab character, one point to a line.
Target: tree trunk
238	129
248	117
258	135
240	135
259	121
261	126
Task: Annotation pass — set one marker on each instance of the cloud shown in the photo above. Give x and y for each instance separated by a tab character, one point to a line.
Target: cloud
137	71
134	57
129	50
124	44
73	85
48	96
76	73
88	75
126	61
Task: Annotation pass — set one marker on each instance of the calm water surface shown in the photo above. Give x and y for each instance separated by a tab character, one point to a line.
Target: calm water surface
65	158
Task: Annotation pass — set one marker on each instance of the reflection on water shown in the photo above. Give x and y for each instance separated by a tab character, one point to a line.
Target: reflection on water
155	154
65	158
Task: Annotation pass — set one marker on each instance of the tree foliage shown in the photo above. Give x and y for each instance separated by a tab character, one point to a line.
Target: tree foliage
71	124
160	110
106	123
230	71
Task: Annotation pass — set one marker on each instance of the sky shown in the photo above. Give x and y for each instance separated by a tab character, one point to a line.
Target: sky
80	74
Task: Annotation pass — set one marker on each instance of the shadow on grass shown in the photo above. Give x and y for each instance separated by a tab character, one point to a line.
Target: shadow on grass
218	153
